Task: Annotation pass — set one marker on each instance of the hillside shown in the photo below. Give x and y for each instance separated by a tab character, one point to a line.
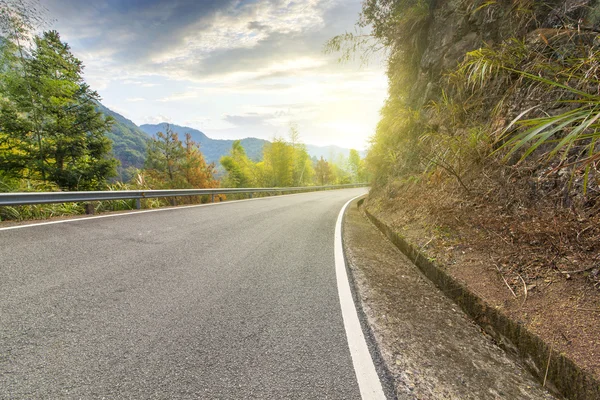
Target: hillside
129	141
213	149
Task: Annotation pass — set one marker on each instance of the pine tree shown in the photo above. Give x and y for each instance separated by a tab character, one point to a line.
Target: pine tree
49	128
171	164
165	151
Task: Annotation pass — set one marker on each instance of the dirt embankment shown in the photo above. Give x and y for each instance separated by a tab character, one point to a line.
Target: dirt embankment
431	348
537	267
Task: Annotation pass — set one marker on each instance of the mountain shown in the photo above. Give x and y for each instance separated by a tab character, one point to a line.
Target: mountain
129	142
213	149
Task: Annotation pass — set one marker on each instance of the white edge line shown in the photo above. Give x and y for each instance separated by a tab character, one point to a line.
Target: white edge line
147	211
366	375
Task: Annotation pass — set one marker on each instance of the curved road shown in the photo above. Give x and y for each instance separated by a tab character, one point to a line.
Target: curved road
227	301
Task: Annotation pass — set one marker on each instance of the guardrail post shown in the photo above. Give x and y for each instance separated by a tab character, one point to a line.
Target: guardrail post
212	198
138	204
250	196
89	209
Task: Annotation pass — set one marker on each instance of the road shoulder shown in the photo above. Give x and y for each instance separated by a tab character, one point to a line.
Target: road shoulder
429	346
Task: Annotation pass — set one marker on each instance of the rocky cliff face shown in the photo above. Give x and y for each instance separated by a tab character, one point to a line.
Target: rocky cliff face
456	27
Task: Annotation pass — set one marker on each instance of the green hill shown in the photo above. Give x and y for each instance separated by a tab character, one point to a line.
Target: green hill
129	142
213	149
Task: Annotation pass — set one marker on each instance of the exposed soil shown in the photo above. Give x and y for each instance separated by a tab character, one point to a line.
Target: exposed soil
431	348
539	265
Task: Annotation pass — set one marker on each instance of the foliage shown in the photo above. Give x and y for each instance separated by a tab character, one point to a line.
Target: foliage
560	72
241	171
171	164
356	166
394	22
393	147
397	27
287	164
49	128
36	211
549	77
212	149
44	211
278	164
323	172
129	143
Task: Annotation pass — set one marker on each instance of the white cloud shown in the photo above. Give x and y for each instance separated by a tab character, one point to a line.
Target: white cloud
180	96
156	119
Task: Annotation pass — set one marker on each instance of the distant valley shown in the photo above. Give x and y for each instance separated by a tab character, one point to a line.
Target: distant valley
129	142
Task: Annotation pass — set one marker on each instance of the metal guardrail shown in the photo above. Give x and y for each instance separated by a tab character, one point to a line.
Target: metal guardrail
29	198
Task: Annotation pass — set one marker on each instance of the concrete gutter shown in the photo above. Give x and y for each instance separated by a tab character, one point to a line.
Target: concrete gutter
561	375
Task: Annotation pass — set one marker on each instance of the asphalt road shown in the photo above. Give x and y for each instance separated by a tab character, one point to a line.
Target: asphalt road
228	301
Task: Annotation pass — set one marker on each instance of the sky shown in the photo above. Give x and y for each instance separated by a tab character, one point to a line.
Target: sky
230	68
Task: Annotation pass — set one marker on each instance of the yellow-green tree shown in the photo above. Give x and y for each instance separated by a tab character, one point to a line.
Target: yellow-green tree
278	158
356	166
241	171
303	172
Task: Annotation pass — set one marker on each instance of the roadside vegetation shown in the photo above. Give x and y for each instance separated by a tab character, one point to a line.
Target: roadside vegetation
286	163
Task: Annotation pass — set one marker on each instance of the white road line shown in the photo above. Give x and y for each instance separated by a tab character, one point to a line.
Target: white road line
145	211
366	375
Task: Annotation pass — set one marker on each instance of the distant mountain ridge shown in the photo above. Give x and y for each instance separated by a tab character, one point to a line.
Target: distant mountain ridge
130	142
213	149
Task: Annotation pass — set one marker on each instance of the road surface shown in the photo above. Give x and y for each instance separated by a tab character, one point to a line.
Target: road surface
228	301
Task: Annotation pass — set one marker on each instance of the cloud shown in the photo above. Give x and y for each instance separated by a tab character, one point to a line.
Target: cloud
139	83
180	96
156	119
258	26
250	119
190	39
135	99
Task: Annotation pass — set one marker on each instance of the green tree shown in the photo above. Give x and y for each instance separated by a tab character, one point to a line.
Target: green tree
171	164
49	128
164	155
241	171
302	172
356	165
278	163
